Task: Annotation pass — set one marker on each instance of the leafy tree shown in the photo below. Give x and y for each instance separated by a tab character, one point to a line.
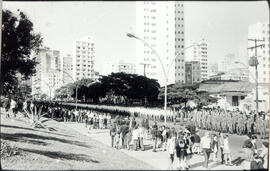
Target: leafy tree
131	86
95	91
18	42
82	88
182	93
65	91
23	91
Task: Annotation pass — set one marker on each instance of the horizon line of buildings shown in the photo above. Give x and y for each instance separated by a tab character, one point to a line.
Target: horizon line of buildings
162	26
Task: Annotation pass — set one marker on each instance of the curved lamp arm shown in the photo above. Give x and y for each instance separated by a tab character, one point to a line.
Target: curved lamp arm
178	53
162	65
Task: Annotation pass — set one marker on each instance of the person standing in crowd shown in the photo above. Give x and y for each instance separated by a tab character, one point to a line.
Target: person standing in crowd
254	143
105	121
171	148
129	139
25	108
206	145
221	146
76	115
196	146
227	151
12	107
135	137
247	153
132	123
117	137
181	151
65	113
154	133
263	154
164	137
215	148
112	133
189	140
140	138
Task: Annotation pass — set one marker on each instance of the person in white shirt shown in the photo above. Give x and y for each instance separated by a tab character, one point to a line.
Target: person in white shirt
227	151
135	136
171	149
12	107
25	105
141	135
206	145
100	121
109	119
76	114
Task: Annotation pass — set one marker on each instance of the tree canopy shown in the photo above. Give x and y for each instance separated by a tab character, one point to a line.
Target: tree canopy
182	93
127	86
18	42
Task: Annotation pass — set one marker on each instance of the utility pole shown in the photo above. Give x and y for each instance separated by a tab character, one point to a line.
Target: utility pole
144	66
254	62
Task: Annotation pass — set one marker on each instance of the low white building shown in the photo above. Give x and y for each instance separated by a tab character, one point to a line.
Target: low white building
237	94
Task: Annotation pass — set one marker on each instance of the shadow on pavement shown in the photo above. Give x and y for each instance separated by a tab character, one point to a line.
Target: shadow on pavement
22	136
45	120
201	164
237	161
31	129
10	137
148	147
62	155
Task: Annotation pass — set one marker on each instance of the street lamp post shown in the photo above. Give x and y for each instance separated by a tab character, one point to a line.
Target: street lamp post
163	69
50	88
76	92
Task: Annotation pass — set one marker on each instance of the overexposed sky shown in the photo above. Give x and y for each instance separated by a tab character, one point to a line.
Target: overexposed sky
223	24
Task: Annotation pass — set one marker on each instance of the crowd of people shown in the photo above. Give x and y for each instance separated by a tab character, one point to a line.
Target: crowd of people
181	144
229	121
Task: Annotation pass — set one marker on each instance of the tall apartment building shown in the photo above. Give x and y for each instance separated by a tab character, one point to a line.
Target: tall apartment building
67	69
83	58
228	62
259	31
212	69
200	54
125	67
161	25
121	66
193	72
47	78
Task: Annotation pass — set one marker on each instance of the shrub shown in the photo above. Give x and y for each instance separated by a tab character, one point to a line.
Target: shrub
7	150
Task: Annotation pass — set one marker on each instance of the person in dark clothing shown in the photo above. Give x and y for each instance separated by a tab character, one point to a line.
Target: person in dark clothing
181	152
256	163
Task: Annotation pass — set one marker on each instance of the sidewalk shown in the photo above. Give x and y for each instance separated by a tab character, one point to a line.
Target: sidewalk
158	160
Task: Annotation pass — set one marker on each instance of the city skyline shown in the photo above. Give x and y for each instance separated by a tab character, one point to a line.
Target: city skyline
62	27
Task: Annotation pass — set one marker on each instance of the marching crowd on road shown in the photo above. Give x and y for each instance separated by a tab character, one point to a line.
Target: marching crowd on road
128	132
229	121
182	144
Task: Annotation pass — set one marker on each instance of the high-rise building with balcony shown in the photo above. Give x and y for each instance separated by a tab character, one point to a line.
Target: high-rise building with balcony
193	72
120	66
200	53
67	69
161	25
47	77
83	58
228	62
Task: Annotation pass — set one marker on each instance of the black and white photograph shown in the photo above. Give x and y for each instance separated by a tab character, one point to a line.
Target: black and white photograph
134	85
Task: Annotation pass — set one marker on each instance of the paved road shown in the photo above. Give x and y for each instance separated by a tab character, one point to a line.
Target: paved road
159	159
